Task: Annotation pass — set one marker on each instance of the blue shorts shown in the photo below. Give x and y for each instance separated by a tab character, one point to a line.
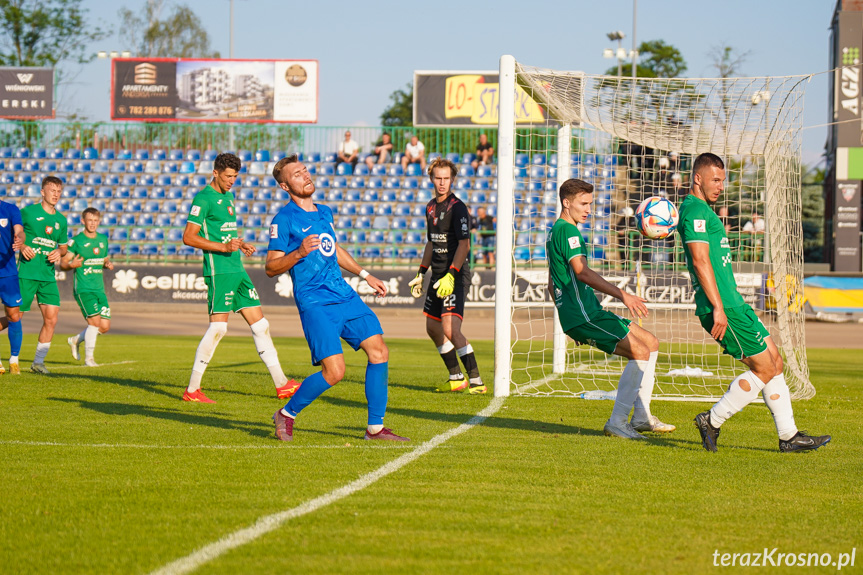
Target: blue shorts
10	291
325	325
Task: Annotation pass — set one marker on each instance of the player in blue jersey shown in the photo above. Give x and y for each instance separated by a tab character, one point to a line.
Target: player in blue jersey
11	240
303	243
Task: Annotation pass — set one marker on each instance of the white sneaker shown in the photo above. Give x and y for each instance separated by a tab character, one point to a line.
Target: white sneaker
91	363
653	425
625	431
39	368
74	347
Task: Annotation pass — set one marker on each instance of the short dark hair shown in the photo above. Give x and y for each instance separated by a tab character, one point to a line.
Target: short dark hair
573	187
225	161
51	180
442	163
707	160
280	165
90	211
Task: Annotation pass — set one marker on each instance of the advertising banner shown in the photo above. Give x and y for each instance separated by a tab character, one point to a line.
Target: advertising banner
168	89
185	284
466	98
27	93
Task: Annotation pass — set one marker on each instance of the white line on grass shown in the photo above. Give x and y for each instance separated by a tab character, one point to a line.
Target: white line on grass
61	367
270	523
360	445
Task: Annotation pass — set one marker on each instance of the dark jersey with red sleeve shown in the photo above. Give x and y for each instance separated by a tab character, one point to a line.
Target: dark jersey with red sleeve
447	222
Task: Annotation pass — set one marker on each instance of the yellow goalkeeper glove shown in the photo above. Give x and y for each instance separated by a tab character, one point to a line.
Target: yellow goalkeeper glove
444	285
416	285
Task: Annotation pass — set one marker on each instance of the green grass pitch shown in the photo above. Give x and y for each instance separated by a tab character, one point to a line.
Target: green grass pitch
106	471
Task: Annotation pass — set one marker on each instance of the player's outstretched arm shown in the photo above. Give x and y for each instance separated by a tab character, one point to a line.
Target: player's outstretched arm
349	264
586	275
700	254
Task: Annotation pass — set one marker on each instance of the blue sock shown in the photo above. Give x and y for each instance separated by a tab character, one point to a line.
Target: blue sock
376	391
309	390
16	336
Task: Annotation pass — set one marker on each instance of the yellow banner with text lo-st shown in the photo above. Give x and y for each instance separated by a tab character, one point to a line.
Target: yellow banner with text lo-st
469	96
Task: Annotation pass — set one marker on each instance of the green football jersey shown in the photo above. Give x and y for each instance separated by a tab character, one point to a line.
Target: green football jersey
575	300
89	277
44	232
700	224
214	212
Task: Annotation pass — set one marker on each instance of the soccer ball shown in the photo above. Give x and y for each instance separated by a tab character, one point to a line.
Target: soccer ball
656	218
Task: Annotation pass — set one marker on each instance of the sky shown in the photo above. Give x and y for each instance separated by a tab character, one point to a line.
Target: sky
366	50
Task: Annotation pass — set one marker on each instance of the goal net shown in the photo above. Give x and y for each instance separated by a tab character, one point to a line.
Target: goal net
633	140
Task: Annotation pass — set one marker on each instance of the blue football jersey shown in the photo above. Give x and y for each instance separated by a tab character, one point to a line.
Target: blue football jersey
317	277
10	215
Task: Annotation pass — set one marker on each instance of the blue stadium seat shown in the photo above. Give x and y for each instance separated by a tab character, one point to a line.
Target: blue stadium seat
262	156
199	181
31	166
245	155
335	195
158	154
120	234
348	209
6	178
64	205
468	158
87	192
417	223
538	159
239	207
193	155
403	210
153	166
353	195
149	250
341	236
521	160
340	182
423	196
187	251
22	153
250	181
24	178
366	209
187	167
485	171
415	237
157	193
453	157
170	168
135	167
205	167
358	237
169	249
75	180
372	252
139	192
254	221
138	234
56	154
146	219
358	182
259	208
175	235
94	180
16	191
462	184
322	182
371	196
174	193
6	152
210	155
434	156
163	180
361	170
390	196
134	206
414	170
181	180
176	155
344	169
393	183
344	222
156	235
73	154
163	220
327	170
411	183
394	170
264	195
142	154
152	206
379	170
467	171
425	184
122	192
179	220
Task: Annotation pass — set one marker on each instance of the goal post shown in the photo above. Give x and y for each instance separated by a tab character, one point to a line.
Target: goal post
632	140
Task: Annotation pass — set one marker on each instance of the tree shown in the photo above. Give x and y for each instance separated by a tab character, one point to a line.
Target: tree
727	61
400	111
656	60
45	33
813	214
180	35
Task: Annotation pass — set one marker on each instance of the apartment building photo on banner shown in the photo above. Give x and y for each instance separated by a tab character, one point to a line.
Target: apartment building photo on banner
208	90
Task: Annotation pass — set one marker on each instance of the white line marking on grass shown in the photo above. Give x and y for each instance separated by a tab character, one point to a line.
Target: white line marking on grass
537	383
59	367
359	445
270	523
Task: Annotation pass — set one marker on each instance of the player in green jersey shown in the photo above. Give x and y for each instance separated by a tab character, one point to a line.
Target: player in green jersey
728	319
46	243
212	227
571	283
88	256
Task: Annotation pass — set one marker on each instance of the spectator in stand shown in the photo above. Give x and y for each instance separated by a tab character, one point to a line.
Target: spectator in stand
484	226
755	225
484	152
732	225
348	151
415	153
381	152
677	192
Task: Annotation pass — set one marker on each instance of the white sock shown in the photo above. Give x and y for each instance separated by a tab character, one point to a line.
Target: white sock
41	352
627	390
205	351
13	359
284	412
267	351
778	399
79	337
736	398
375	428
90	335
645	390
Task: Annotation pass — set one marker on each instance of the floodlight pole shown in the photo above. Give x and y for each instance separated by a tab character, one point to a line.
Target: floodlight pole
231	56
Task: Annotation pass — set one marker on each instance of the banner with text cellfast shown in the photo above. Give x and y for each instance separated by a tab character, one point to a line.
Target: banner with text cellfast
207	90
467	99
27	93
